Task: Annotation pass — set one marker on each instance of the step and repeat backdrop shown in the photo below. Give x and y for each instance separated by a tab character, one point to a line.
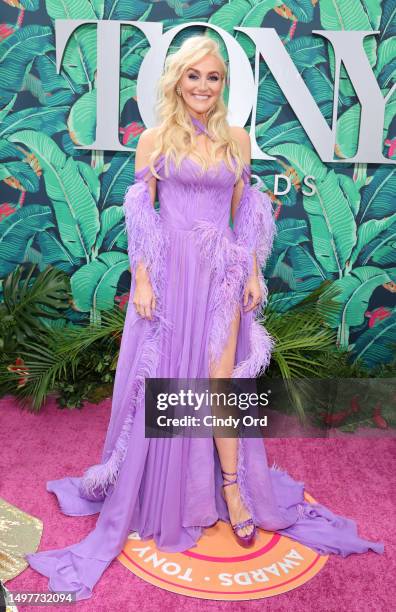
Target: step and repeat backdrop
312	80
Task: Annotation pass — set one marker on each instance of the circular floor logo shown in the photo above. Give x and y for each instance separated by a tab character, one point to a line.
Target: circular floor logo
218	568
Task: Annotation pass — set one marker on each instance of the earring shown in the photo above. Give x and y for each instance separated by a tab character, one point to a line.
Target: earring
178	90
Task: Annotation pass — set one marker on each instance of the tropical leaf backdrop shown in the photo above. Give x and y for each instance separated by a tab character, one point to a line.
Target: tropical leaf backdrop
63	206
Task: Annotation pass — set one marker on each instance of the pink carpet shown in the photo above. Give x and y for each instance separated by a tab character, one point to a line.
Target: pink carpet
354	476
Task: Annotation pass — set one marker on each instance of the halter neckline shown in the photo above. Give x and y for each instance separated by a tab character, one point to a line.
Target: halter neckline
200	127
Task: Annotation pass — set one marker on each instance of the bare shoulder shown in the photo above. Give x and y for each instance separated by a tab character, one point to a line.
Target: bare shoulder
147	138
240	133
144	147
242	137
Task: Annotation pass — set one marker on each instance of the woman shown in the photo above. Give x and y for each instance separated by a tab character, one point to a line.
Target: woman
197	286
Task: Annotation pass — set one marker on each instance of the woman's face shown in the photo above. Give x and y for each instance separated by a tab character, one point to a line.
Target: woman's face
201	85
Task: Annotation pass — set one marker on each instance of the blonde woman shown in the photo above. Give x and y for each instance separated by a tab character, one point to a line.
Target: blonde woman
196	292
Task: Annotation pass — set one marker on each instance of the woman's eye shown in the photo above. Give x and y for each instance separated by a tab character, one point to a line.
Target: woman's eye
213	77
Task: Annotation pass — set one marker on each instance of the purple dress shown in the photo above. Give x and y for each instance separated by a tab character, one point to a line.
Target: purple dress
169	488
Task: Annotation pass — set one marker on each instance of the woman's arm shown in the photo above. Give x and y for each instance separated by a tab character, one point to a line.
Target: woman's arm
254	225
143	149
146	239
243	138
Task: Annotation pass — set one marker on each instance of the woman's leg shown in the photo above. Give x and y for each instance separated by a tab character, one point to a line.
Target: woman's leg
228	447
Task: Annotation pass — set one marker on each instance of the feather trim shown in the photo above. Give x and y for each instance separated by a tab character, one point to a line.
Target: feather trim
147	242
255	230
144	228
259	356
231	265
254	223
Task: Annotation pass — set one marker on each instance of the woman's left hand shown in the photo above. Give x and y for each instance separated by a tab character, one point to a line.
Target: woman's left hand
252	290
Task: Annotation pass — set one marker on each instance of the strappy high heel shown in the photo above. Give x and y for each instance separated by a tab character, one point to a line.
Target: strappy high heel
244	540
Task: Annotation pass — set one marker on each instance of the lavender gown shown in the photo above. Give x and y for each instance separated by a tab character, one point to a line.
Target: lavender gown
165	488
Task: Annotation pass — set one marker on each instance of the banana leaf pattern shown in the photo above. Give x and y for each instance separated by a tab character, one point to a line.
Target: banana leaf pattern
62	206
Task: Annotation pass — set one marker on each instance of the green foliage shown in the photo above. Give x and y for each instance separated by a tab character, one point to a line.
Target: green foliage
30	304
43	352
49	355
343	237
17	54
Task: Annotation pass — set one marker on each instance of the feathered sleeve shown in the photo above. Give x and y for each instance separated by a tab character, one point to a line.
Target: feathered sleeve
254	223
146	237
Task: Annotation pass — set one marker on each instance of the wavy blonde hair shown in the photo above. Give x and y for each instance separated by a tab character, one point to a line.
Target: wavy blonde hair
175	136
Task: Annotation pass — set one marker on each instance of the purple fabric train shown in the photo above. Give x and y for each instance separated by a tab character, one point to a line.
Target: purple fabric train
169	488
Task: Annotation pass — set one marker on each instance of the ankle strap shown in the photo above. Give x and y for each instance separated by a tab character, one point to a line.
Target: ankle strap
228	481
229	473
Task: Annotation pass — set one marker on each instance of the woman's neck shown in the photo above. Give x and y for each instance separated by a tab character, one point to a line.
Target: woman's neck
201	117
199	126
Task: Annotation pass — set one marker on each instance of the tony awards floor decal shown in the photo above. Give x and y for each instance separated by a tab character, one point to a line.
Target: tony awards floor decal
217	568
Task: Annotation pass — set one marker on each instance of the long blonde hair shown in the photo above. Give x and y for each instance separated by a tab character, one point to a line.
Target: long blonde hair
175	135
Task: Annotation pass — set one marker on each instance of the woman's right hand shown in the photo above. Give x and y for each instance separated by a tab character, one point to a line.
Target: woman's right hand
144	298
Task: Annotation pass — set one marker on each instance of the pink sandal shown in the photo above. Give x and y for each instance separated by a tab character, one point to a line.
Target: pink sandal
243	540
